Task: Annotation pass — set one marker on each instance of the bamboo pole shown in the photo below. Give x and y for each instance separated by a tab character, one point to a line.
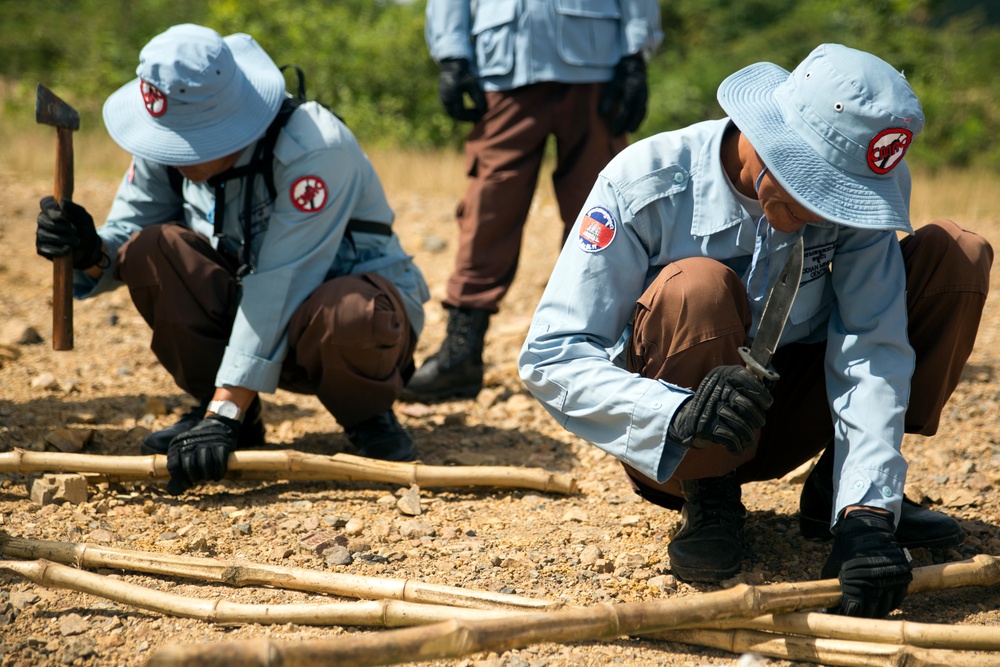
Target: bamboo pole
826	651
376	613
298	466
457	638
239	573
831	626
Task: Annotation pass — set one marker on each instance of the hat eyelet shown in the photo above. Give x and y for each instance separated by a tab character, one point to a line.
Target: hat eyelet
808	75
838	107
181	91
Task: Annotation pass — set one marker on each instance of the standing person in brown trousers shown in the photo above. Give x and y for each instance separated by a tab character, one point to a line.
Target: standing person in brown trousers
531	69
256	241
635	344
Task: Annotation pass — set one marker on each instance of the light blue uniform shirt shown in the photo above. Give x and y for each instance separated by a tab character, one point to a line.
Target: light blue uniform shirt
293	250
514	43
668	198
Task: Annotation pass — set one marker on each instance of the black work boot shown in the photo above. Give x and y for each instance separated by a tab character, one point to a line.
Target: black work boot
918	526
382	437
709	545
455	370
251	430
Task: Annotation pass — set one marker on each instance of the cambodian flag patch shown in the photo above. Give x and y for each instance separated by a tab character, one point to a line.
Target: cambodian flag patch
597	230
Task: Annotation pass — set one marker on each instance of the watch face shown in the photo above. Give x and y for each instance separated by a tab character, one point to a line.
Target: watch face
226	409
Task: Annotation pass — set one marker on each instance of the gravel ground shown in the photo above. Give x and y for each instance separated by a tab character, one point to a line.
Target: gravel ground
601	545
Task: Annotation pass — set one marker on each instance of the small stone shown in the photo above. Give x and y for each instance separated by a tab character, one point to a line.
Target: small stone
22	334
70	441
281	553
575	515
20	600
167	536
42	493
337	556
415	528
77	648
434	244
46	381
354	526
960	498
72	624
319	543
409	502
591	554
242	529
70	488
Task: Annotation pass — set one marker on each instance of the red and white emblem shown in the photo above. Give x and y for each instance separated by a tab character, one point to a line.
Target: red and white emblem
154	99
597	230
887	149
308	194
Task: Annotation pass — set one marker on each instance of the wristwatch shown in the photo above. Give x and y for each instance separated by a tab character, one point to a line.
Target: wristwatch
226	409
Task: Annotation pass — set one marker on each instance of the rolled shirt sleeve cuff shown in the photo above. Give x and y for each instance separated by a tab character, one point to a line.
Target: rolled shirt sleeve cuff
869	487
648	449
239	369
85	287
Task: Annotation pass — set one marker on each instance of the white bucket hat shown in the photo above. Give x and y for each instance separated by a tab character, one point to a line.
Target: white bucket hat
832	132
198	97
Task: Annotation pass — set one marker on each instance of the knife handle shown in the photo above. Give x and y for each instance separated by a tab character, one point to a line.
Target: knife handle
754	366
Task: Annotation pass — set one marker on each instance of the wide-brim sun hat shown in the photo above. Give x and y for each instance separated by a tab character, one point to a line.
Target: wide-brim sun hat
833	132
198	97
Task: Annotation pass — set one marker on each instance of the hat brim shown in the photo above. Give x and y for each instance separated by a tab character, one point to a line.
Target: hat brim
135	130
834	195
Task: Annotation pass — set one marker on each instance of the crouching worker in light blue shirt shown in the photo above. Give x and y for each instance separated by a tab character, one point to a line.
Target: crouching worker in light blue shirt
255	239
635	343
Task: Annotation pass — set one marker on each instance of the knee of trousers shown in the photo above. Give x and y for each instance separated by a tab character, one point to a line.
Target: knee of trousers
352	318
961	258
698	289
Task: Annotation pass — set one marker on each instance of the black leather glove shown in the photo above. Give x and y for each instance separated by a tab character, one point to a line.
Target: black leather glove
201	453
874	571
66	228
728	405
457	79
623	103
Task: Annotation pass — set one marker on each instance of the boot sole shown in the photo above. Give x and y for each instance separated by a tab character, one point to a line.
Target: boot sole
818	530
703	575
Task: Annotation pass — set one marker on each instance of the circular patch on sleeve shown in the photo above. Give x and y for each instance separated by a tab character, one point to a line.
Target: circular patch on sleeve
153	98
308	194
887	149
597	230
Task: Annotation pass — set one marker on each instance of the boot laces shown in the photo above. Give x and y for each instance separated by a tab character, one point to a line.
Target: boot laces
719	502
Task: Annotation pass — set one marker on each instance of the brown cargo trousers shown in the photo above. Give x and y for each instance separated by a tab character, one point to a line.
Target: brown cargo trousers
947	280
350	342
503	157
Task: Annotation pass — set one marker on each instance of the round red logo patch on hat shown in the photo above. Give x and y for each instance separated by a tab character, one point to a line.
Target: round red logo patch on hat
887	149
154	99
308	194
597	230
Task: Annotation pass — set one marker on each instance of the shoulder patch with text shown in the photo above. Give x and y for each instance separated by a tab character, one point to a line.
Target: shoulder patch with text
597	230
308	194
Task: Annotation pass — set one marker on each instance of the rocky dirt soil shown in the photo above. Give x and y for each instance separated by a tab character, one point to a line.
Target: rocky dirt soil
601	545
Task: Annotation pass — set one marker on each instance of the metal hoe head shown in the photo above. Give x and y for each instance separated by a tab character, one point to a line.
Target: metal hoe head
51	110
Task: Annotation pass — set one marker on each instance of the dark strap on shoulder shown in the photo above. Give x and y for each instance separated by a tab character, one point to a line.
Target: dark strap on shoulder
262	163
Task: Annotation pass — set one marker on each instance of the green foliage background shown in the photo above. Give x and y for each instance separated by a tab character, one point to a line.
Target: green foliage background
367	59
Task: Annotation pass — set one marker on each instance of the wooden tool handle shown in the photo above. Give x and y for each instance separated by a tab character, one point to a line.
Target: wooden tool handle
62	267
